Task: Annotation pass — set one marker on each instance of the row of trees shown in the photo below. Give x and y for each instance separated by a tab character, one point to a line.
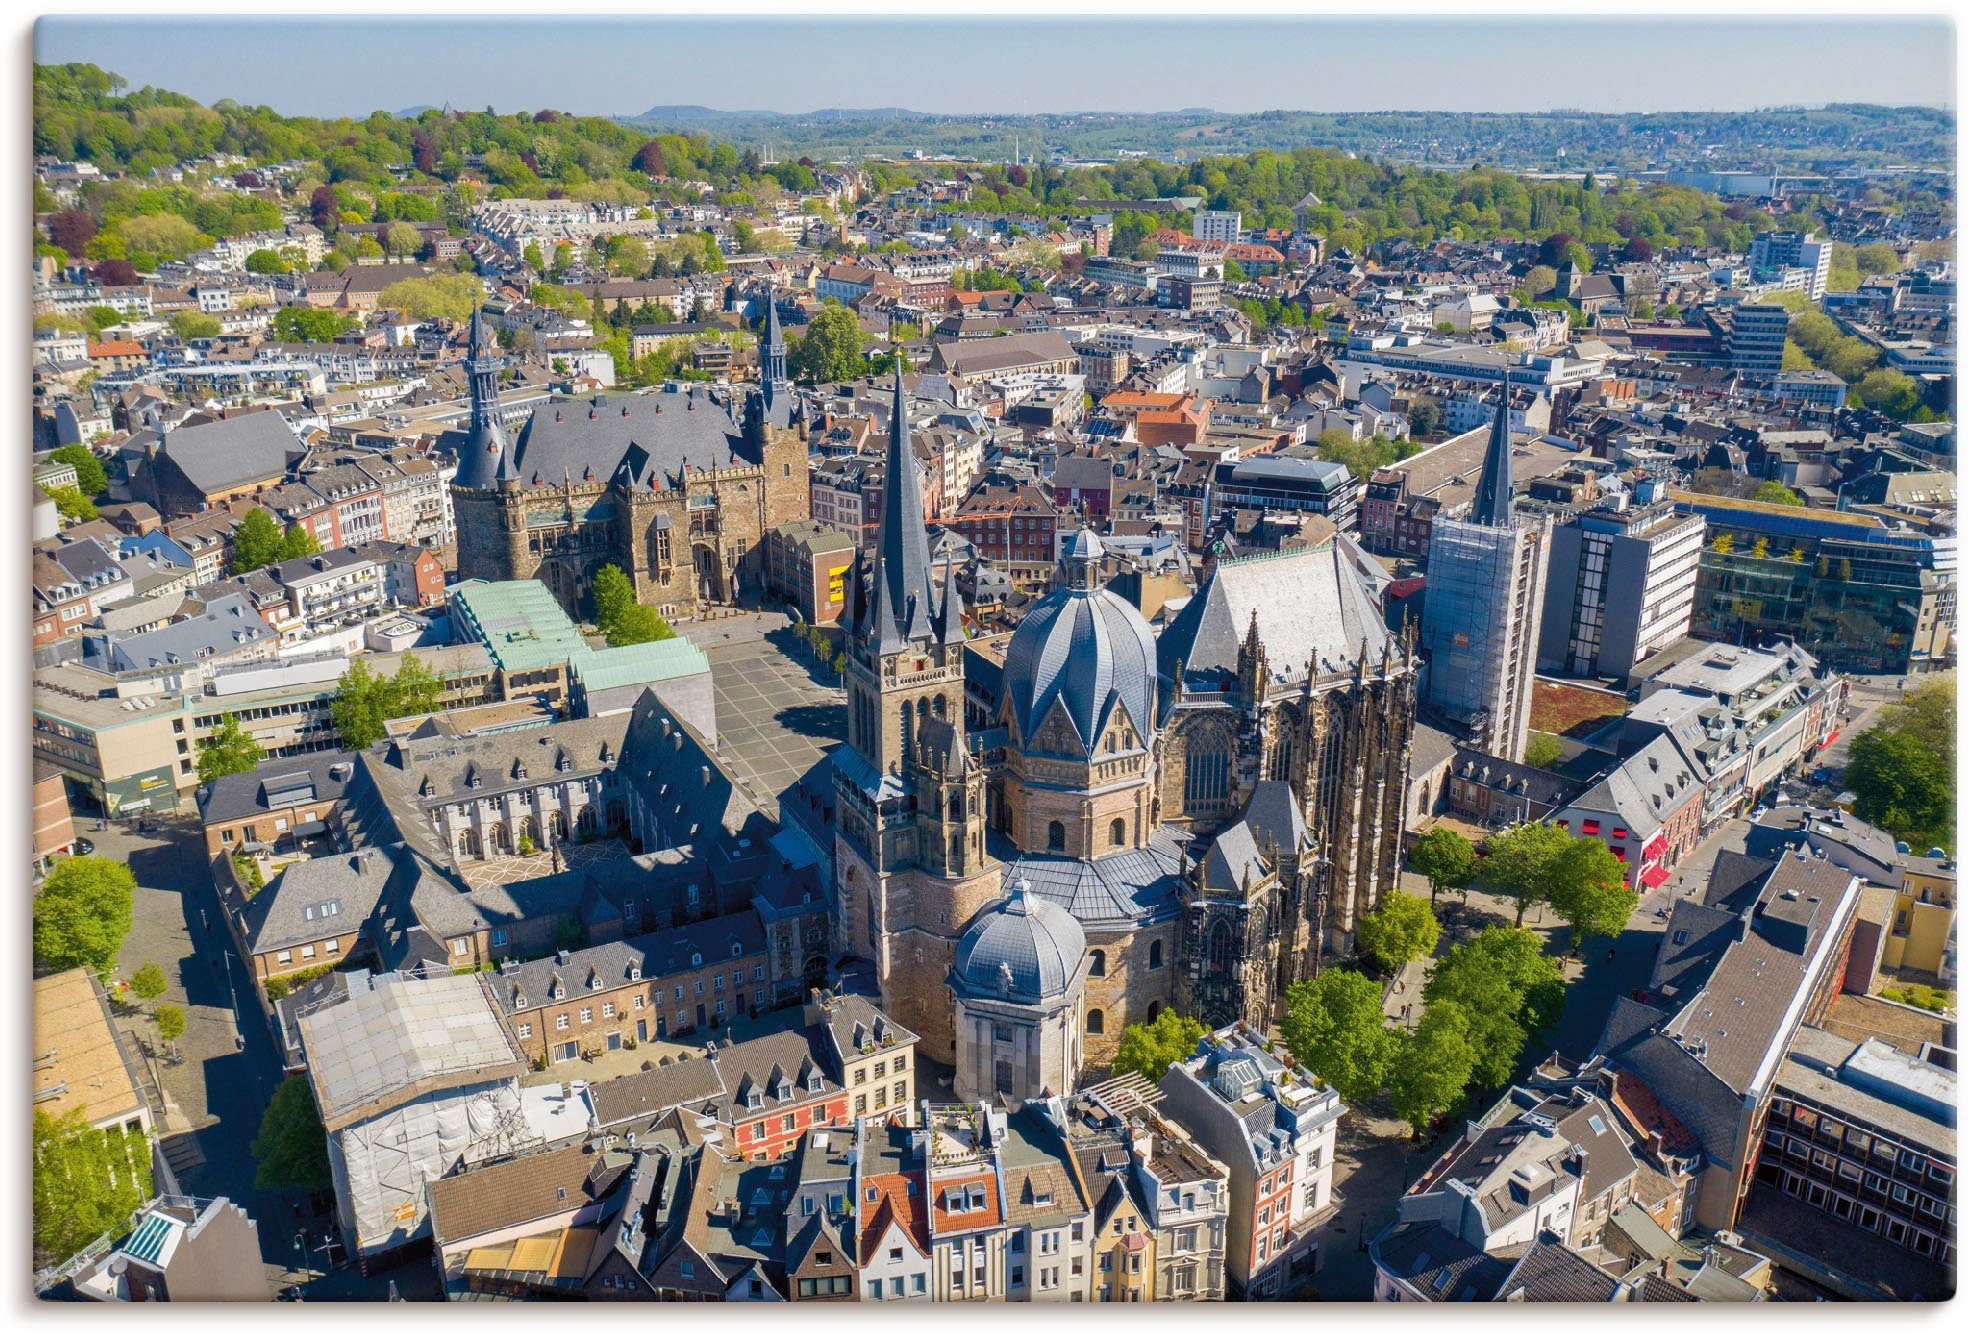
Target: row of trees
1815	340
1483	1002
1535	864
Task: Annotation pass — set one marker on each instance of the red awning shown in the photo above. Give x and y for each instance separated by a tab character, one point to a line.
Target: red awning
1829	737
1654	847
1654	876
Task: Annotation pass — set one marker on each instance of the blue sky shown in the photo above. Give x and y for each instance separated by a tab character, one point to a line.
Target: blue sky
622	66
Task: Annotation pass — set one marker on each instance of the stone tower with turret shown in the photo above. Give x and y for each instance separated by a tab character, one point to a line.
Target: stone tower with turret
911	861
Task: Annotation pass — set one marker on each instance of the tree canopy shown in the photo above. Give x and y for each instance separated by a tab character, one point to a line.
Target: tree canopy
1509	991
1518	863
1401	929
1904	769
1433	1066
619	616
291	1149
830	349
228	750
1150	1048
365	699
83	913
1588	890
1445	858
1335	1027
91	478
87	1182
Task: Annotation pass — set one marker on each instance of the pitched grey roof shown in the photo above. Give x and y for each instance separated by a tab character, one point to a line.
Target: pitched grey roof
1133	886
666	436
229	625
650	956
312	777
1306	601
219	455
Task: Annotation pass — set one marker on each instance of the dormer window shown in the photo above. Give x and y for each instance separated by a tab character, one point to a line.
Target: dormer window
636	973
736	948
753	1099
698	959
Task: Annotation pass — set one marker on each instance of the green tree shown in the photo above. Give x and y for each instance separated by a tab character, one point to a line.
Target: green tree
440	297
1425	417
1903	770
613	595
1434	1065
266	261
256	541
366	700
171	1023
308	324
402	239
1877	258
1150	1048
291	1149
83	914
831	349
1543	749
1335	1027
640	624
1445	858
73	505
227	750
87	1182
189	325
1539	281
1518	862
1587	889
149	982
1509	991
1775	493
297	541
533	258
1400	930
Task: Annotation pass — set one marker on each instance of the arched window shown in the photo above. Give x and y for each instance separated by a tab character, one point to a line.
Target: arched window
1097	965
1207	767
496	839
1220	950
1095	1024
1117	833
958	849
1157	955
1151	1012
1058	838
938	706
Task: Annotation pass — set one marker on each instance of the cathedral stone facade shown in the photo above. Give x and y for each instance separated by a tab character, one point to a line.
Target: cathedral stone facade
1214	808
677	489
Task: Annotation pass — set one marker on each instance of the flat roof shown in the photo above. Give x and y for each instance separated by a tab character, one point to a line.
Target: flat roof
76	1055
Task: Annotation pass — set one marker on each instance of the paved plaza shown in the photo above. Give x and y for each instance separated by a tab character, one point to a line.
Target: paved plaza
777	713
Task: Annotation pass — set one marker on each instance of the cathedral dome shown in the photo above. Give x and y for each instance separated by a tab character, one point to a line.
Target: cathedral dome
1086	647
1023	949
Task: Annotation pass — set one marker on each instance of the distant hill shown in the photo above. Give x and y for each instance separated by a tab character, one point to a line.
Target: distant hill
1791	139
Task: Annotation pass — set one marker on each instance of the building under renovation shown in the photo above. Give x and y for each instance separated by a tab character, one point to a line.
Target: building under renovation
415	1077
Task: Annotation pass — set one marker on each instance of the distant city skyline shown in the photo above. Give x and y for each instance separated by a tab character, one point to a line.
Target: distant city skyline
622	67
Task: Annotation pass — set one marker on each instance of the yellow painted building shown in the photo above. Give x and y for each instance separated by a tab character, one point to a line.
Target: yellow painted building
1922	919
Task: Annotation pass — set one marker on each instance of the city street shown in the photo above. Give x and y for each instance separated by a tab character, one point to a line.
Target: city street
217	1085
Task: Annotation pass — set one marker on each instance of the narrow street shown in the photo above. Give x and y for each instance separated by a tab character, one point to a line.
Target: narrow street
217	1085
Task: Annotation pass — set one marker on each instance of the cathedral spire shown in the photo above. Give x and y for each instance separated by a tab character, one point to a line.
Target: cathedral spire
484	459
773	357
903	576
1493	501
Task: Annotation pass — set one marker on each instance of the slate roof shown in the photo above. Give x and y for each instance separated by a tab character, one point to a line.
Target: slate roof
1089	650
1306	603
319	898
229	452
1022	949
1445	1267
310	777
668	435
1548	1272
229	625
1130	887
650	956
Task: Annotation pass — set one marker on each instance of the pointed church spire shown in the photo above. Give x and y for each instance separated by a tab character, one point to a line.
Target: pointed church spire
484	459
773	357
903	576
1493	502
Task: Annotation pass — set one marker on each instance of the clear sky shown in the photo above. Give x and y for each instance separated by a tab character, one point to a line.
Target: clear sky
969	66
